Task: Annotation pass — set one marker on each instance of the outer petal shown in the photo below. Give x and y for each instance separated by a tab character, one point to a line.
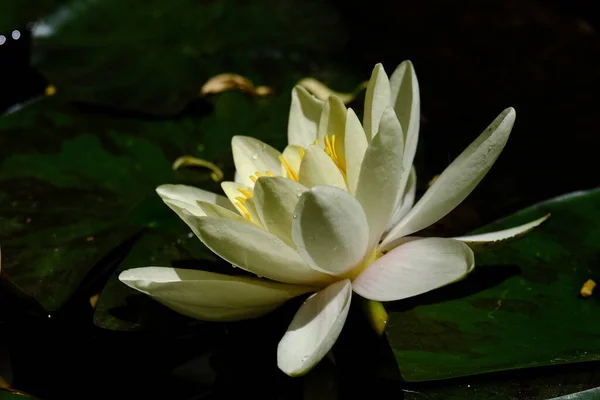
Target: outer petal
377	99
314	329
256	251
317	168
209	296
459	179
330	229
415	267
275	200
356	146
486	240
305	112
407	200
406	101
251	155
187	196
213	210
379	183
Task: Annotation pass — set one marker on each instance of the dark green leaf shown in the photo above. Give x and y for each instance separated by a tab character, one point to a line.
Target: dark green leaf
75	185
155	55
520	307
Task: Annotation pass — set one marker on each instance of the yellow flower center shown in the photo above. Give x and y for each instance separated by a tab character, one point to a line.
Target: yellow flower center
293	175
331	150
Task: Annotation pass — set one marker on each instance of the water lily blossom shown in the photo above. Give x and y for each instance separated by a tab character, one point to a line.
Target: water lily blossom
323	218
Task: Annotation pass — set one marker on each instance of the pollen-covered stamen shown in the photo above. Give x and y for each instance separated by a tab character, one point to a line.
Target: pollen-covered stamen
288	168
241	203
257	175
331	150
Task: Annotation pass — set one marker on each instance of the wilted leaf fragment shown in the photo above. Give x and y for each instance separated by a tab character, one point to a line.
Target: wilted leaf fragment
226	82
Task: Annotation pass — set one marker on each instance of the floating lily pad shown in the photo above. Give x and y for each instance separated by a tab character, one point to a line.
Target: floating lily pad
521	306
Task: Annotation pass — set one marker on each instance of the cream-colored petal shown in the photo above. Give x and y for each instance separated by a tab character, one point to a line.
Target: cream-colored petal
213	210
330	230
415	267
333	123
275	200
305	112
256	250
317	168
459	179
251	155
356	146
377	99
188	195
314	329
407	200
210	296
379	183
405	98
486	241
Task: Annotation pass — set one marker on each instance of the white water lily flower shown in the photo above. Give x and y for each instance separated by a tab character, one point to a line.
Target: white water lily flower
322	228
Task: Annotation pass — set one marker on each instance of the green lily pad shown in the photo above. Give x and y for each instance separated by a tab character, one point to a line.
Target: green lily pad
155	56
75	185
521	306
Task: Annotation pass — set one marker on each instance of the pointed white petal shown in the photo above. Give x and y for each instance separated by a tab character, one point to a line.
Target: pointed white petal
333	122
292	158
405	98
275	200
379	183
209	296
256	250
305	112
251	155
484	241
317	168
415	267
188	195
377	99
407	200
459	179
330	229
356	146
314	329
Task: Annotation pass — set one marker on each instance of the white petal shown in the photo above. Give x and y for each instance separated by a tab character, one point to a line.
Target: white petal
377	99
333	122
314	329
292	156
305	112
379	183
356	146
459	179
407	200
210	296
330	229
188	195
317	168
405	98
275	200
256	250
415	267
251	155
213	210
485	240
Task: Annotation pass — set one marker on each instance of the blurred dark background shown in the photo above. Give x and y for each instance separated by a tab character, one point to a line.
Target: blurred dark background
473	59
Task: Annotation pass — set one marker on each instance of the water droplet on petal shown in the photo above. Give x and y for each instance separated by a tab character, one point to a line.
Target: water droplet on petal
295	216
254	156
299	193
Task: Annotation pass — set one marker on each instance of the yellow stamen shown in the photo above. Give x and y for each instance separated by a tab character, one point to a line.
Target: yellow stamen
331	150
244	209
253	178
288	168
189	161
258	174
301	151
269	173
241	199
316	142
245	192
